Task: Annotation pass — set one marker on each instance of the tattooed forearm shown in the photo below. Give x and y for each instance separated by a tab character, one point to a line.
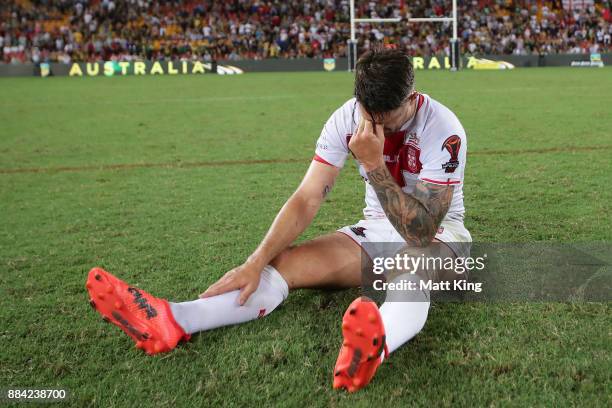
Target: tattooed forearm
415	216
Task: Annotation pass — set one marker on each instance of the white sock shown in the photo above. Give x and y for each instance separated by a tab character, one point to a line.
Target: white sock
404	313
224	310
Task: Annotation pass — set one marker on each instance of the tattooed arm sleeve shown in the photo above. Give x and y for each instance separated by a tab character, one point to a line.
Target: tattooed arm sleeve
415	216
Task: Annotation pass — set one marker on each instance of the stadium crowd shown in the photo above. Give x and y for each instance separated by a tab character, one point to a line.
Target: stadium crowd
89	30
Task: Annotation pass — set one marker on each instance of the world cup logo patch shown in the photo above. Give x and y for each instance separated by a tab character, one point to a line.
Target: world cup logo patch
452	146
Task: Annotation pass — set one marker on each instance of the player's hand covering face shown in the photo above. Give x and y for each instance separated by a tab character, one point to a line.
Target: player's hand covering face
367	144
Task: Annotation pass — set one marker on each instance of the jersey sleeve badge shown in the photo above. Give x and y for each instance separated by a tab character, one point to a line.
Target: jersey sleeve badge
452	145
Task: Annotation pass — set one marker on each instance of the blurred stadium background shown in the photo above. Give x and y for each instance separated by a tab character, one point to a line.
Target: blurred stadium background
108	30
171	180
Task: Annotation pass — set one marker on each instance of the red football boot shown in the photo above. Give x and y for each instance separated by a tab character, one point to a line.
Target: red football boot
146	319
364	342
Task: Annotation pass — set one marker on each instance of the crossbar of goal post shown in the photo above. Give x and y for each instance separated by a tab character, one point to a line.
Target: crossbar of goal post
352	43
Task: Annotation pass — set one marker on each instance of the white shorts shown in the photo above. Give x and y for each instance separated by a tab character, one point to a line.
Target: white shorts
375	231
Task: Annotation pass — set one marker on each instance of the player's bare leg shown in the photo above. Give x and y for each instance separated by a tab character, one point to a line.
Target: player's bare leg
330	261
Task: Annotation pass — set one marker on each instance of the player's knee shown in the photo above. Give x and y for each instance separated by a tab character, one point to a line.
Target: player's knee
284	263
272	291
282	259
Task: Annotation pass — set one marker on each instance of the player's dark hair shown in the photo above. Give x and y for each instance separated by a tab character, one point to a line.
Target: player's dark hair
384	78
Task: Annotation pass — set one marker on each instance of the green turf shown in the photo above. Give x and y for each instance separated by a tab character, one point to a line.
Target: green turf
538	170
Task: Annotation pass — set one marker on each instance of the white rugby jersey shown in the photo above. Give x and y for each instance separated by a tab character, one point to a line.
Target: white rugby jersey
431	147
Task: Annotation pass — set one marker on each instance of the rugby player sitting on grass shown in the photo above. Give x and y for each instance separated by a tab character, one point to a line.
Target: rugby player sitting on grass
411	152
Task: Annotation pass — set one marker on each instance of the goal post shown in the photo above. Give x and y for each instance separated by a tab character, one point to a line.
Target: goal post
352	42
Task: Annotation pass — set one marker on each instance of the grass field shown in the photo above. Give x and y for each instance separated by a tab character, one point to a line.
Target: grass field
171	181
